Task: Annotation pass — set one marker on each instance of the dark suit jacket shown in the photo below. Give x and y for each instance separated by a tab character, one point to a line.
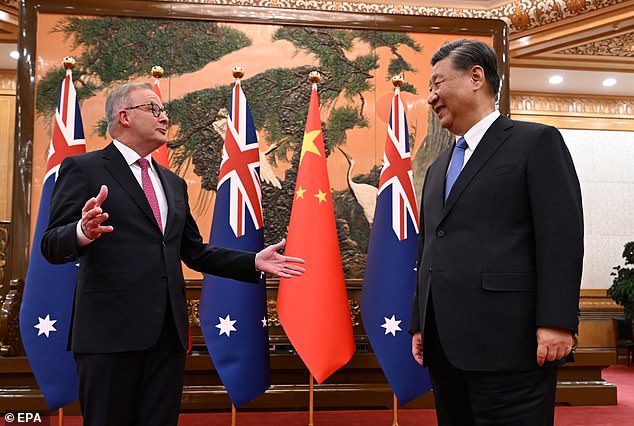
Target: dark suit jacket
126	277
503	255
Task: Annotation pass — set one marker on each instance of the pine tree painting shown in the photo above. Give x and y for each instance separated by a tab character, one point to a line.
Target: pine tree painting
116	50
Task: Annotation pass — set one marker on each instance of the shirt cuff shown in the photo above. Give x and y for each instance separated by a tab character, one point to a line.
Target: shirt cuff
255	262
82	240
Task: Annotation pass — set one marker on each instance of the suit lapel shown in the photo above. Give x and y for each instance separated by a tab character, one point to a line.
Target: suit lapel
436	182
117	166
491	141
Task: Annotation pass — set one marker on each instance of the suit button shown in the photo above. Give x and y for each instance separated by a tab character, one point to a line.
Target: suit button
440	234
164	245
164	277
430	270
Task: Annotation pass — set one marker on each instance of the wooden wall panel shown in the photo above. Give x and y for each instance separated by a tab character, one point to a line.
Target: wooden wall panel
7	129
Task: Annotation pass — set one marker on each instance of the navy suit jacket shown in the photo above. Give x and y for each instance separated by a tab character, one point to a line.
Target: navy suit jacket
127	277
503	255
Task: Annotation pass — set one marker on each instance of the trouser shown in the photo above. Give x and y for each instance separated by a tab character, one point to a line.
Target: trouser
136	387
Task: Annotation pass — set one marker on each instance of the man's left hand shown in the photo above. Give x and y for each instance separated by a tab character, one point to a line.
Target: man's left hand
553	344
270	261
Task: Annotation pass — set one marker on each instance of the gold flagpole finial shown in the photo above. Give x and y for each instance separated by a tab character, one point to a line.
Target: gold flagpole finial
157	71
238	72
314	77
69	62
398	80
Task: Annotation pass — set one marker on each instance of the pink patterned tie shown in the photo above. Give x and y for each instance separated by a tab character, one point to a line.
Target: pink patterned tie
148	188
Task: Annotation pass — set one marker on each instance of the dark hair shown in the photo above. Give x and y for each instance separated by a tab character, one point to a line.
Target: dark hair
464	54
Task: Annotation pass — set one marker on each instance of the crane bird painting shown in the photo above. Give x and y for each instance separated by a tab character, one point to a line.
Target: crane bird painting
363	193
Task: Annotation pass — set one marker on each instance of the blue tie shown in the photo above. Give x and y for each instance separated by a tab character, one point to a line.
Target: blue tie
455	166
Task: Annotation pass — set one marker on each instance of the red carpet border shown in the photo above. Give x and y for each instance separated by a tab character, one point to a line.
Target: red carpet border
620	415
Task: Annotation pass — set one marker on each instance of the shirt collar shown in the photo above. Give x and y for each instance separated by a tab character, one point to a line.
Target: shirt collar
474	134
129	154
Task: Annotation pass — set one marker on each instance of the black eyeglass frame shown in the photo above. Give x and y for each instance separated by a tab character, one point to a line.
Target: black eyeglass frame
155	108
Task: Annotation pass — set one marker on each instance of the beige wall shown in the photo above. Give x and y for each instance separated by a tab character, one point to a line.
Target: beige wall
604	161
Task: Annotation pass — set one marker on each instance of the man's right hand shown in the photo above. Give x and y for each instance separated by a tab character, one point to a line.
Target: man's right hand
417	347
92	216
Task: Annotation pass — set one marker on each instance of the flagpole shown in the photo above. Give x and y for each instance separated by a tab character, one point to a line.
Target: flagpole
314	79
310	400
157	72
53	366
234	415
160	154
314	308
395	410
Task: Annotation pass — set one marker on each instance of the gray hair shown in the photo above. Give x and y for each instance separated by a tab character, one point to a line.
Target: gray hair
119	98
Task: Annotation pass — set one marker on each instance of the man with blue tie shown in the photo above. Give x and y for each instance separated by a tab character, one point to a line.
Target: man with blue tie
501	251
127	221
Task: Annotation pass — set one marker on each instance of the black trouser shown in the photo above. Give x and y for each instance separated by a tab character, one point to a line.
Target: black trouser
514	398
134	388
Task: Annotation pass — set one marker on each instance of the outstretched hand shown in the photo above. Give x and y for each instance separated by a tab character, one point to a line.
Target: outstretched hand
92	216
270	261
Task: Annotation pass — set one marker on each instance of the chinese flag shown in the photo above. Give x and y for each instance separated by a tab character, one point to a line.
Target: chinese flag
313	308
160	154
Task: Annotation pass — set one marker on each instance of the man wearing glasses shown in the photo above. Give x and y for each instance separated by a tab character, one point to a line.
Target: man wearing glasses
127	221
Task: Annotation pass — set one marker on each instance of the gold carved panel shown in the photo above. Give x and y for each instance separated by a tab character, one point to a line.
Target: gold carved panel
575	111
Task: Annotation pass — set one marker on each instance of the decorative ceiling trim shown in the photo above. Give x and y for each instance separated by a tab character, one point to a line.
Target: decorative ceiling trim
575	111
519	15
621	45
581	105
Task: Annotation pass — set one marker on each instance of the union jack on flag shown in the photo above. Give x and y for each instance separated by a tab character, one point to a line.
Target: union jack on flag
240	164
397	171
68	131
390	275
45	313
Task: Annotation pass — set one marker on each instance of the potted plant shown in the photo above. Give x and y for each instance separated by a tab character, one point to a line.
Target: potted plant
622	289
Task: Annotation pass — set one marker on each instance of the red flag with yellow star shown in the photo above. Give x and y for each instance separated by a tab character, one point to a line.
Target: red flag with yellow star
313	308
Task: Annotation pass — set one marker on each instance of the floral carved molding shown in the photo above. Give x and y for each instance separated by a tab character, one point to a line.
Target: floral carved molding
622	45
584	106
519	15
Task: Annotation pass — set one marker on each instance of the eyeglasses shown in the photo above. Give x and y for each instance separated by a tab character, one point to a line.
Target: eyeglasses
156	109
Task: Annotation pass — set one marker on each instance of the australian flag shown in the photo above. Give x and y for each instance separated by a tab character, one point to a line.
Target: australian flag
232	313
390	276
45	313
